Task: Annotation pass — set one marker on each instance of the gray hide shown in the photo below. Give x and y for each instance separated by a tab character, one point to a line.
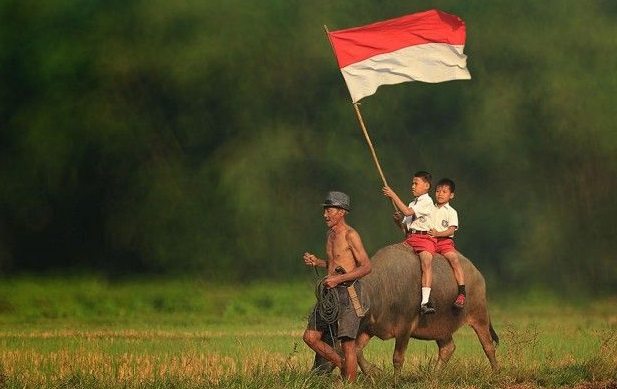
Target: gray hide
394	288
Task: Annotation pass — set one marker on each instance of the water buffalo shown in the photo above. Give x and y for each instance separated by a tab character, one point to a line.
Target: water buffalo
394	291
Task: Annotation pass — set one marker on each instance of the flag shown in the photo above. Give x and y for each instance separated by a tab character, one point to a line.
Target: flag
425	46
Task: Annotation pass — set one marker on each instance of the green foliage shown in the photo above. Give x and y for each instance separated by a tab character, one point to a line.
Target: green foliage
92	301
200	137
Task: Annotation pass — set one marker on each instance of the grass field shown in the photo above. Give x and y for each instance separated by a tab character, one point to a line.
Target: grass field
88	333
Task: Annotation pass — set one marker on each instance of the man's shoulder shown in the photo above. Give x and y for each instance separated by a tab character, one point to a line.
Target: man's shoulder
351	232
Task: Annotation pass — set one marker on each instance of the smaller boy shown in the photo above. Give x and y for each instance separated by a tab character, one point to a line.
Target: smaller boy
445	223
417	223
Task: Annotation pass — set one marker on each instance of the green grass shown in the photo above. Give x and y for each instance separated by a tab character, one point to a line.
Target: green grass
88	333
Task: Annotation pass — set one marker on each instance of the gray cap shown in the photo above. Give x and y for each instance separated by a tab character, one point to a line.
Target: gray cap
337	200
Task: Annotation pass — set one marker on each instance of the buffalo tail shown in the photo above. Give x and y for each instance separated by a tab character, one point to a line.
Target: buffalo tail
493	334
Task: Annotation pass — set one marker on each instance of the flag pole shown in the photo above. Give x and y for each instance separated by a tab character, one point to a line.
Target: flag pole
356	107
363	127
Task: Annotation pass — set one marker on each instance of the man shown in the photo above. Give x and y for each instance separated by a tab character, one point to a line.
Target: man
347	262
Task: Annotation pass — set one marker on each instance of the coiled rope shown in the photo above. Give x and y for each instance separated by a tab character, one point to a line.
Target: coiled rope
327	302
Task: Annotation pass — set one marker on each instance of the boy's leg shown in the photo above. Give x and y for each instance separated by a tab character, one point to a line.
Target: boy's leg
426	262
452	257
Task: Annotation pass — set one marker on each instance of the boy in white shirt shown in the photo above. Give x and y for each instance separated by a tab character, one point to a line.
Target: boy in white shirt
417	223
445	223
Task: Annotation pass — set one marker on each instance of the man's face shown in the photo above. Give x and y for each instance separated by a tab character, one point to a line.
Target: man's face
419	187
332	215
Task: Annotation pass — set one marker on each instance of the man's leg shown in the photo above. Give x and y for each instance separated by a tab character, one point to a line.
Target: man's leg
350	369
320	364
313	339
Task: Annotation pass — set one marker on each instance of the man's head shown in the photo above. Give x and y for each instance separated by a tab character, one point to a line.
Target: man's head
421	183
337	200
444	191
336	205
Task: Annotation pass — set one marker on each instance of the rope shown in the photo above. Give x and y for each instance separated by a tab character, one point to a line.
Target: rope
319	291
327	303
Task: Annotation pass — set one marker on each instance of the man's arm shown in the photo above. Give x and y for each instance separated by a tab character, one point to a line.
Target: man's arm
312	260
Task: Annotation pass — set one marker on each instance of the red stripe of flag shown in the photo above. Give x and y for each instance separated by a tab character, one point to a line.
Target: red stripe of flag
359	43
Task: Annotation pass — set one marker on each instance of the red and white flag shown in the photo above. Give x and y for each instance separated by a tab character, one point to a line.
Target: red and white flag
425	46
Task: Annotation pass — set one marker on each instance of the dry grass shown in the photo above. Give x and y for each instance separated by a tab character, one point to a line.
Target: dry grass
163	358
244	344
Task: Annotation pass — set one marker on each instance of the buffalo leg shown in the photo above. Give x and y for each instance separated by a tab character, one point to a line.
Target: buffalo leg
398	358
361	341
483	332
446	348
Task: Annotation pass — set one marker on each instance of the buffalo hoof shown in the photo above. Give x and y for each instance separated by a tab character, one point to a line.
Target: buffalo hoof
370	369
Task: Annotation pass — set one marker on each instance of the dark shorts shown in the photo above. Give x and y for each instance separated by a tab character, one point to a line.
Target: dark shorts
348	322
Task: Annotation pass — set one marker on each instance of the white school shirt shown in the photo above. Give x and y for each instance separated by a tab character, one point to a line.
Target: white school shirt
423	208
444	217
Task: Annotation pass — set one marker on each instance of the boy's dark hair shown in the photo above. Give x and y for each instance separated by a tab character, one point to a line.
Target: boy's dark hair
446	182
426	176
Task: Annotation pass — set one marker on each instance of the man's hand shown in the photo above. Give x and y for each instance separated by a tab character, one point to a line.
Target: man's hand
310	259
331	281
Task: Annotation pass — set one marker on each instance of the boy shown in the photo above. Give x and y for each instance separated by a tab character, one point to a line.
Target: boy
417	223
445	223
345	251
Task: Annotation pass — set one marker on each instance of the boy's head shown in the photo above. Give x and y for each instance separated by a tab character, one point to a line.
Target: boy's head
444	191
421	183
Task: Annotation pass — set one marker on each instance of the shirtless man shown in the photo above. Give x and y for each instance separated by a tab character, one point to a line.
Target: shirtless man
344	249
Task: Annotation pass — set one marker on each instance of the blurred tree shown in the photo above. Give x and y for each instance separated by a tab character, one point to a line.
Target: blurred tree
199	137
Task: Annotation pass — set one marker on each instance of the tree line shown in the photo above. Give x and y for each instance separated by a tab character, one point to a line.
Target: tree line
200	138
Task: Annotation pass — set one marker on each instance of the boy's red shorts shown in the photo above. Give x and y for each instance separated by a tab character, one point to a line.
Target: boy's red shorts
421	243
444	245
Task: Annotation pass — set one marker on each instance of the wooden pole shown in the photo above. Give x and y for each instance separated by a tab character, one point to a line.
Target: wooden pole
363	127
356	107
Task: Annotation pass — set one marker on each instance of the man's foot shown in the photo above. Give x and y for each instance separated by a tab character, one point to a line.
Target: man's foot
460	301
426	309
